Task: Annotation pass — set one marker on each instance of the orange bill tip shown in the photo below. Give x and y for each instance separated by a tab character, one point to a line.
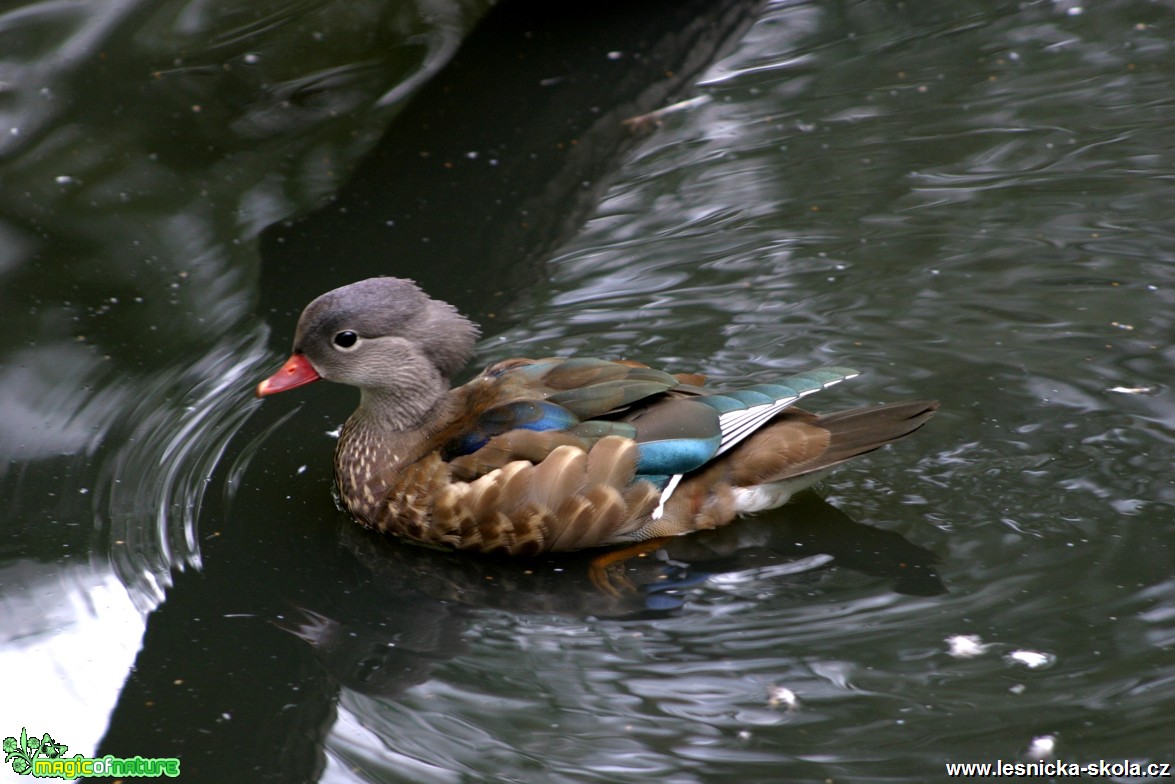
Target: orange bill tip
295	373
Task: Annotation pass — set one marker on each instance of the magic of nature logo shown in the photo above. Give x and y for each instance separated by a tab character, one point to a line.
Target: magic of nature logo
43	757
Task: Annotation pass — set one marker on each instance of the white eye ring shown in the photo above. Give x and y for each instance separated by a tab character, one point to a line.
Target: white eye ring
345	340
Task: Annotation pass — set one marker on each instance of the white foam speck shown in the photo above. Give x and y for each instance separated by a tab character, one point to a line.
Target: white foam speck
965	646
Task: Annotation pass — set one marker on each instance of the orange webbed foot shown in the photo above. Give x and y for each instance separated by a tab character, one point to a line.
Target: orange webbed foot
613	581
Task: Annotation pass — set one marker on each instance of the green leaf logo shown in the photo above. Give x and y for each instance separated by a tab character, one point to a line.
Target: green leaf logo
24	752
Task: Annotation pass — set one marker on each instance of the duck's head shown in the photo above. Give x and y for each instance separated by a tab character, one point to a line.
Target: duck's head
381	335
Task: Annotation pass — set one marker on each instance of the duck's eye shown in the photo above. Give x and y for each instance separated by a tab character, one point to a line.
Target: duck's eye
346	339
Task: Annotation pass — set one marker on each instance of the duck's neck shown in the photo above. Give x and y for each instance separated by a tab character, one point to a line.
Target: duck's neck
386	433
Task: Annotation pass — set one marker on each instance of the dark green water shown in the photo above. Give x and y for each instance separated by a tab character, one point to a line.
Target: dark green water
970	202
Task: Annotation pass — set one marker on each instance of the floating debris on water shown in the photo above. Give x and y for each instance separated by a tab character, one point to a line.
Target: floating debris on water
1033	660
1148	389
1041	747
965	646
782	697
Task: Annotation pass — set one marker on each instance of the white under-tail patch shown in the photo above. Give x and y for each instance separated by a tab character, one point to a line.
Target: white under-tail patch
756	498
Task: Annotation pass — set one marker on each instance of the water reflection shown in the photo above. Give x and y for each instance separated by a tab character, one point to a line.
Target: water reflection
808	535
422	619
49	615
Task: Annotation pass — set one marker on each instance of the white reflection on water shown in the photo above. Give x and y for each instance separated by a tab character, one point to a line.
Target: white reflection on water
68	640
49	407
352	745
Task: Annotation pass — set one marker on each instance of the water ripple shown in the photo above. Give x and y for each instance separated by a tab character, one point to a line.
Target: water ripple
176	433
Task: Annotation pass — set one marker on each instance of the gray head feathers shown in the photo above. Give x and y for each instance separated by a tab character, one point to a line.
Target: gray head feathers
382	308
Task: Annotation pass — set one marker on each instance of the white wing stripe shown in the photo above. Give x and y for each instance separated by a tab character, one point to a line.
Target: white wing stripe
668	491
737	425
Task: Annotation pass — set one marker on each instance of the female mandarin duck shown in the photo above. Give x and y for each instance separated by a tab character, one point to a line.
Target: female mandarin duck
545	455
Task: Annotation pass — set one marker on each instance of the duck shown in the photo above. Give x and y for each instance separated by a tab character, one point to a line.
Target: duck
536	456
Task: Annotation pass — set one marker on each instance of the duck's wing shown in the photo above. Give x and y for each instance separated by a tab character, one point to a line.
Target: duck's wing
589	388
524	409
